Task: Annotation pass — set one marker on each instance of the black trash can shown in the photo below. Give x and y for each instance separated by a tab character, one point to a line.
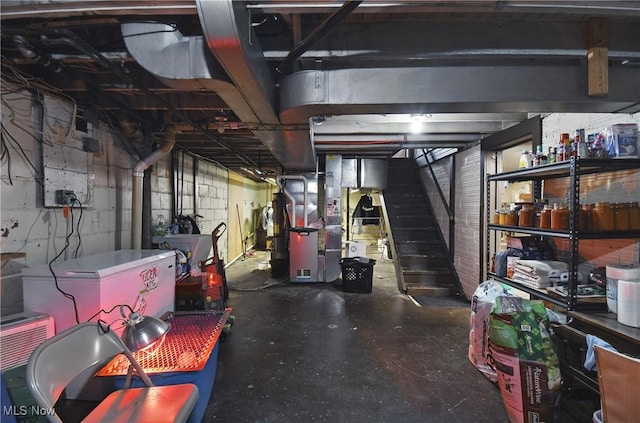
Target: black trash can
357	274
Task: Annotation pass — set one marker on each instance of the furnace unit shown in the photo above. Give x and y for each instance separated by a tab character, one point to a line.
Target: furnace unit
303	255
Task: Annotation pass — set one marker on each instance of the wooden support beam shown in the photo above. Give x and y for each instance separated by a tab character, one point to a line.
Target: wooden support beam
598	58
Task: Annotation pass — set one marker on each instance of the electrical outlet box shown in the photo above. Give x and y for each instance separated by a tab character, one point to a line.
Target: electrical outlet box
64	197
90	144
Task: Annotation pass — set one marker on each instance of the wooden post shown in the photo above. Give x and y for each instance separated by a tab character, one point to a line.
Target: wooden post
598	58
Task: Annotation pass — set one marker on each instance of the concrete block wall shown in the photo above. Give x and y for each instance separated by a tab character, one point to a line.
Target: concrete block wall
39	233
34	130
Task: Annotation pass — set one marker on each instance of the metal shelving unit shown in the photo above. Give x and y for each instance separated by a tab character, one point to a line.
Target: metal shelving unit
572	169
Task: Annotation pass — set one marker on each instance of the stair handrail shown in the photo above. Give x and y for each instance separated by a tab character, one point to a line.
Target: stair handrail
438	188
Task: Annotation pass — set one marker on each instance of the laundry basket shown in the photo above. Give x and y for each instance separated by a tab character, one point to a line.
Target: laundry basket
357	274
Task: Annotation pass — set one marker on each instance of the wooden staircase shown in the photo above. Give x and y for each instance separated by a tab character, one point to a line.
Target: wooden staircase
421	256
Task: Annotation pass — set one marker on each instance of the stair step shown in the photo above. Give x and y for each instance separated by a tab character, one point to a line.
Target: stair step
431	277
409	210
409	234
419	247
434	261
402	162
403	190
425	265
424	221
397	177
428	290
407	199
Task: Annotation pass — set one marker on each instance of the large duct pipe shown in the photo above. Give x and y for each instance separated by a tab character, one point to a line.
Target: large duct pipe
281	183
136	188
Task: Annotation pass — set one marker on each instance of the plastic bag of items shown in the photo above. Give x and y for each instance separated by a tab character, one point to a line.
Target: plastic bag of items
481	305
525	360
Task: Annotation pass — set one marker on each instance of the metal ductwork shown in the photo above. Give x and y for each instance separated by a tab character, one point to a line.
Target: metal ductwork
163	50
182	62
229	60
451	90
226	27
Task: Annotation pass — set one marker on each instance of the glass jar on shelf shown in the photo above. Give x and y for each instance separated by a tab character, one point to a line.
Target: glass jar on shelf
511	218
585	218
503	217
496	217
634	216
603	217
621	219
545	217
560	217
526	216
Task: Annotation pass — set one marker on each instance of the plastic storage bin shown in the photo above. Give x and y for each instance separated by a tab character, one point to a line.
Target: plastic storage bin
357	274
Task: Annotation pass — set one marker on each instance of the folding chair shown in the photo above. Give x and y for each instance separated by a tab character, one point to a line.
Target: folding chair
618	379
58	360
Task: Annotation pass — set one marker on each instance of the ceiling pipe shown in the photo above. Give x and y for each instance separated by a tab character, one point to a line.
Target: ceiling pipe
137	187
29	52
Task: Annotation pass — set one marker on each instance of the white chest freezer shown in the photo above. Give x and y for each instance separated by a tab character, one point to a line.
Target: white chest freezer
100	282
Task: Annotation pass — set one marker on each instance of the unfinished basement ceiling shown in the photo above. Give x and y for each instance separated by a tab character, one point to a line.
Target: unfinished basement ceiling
268	87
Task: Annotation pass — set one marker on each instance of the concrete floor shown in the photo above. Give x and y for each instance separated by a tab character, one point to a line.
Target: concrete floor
310	352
